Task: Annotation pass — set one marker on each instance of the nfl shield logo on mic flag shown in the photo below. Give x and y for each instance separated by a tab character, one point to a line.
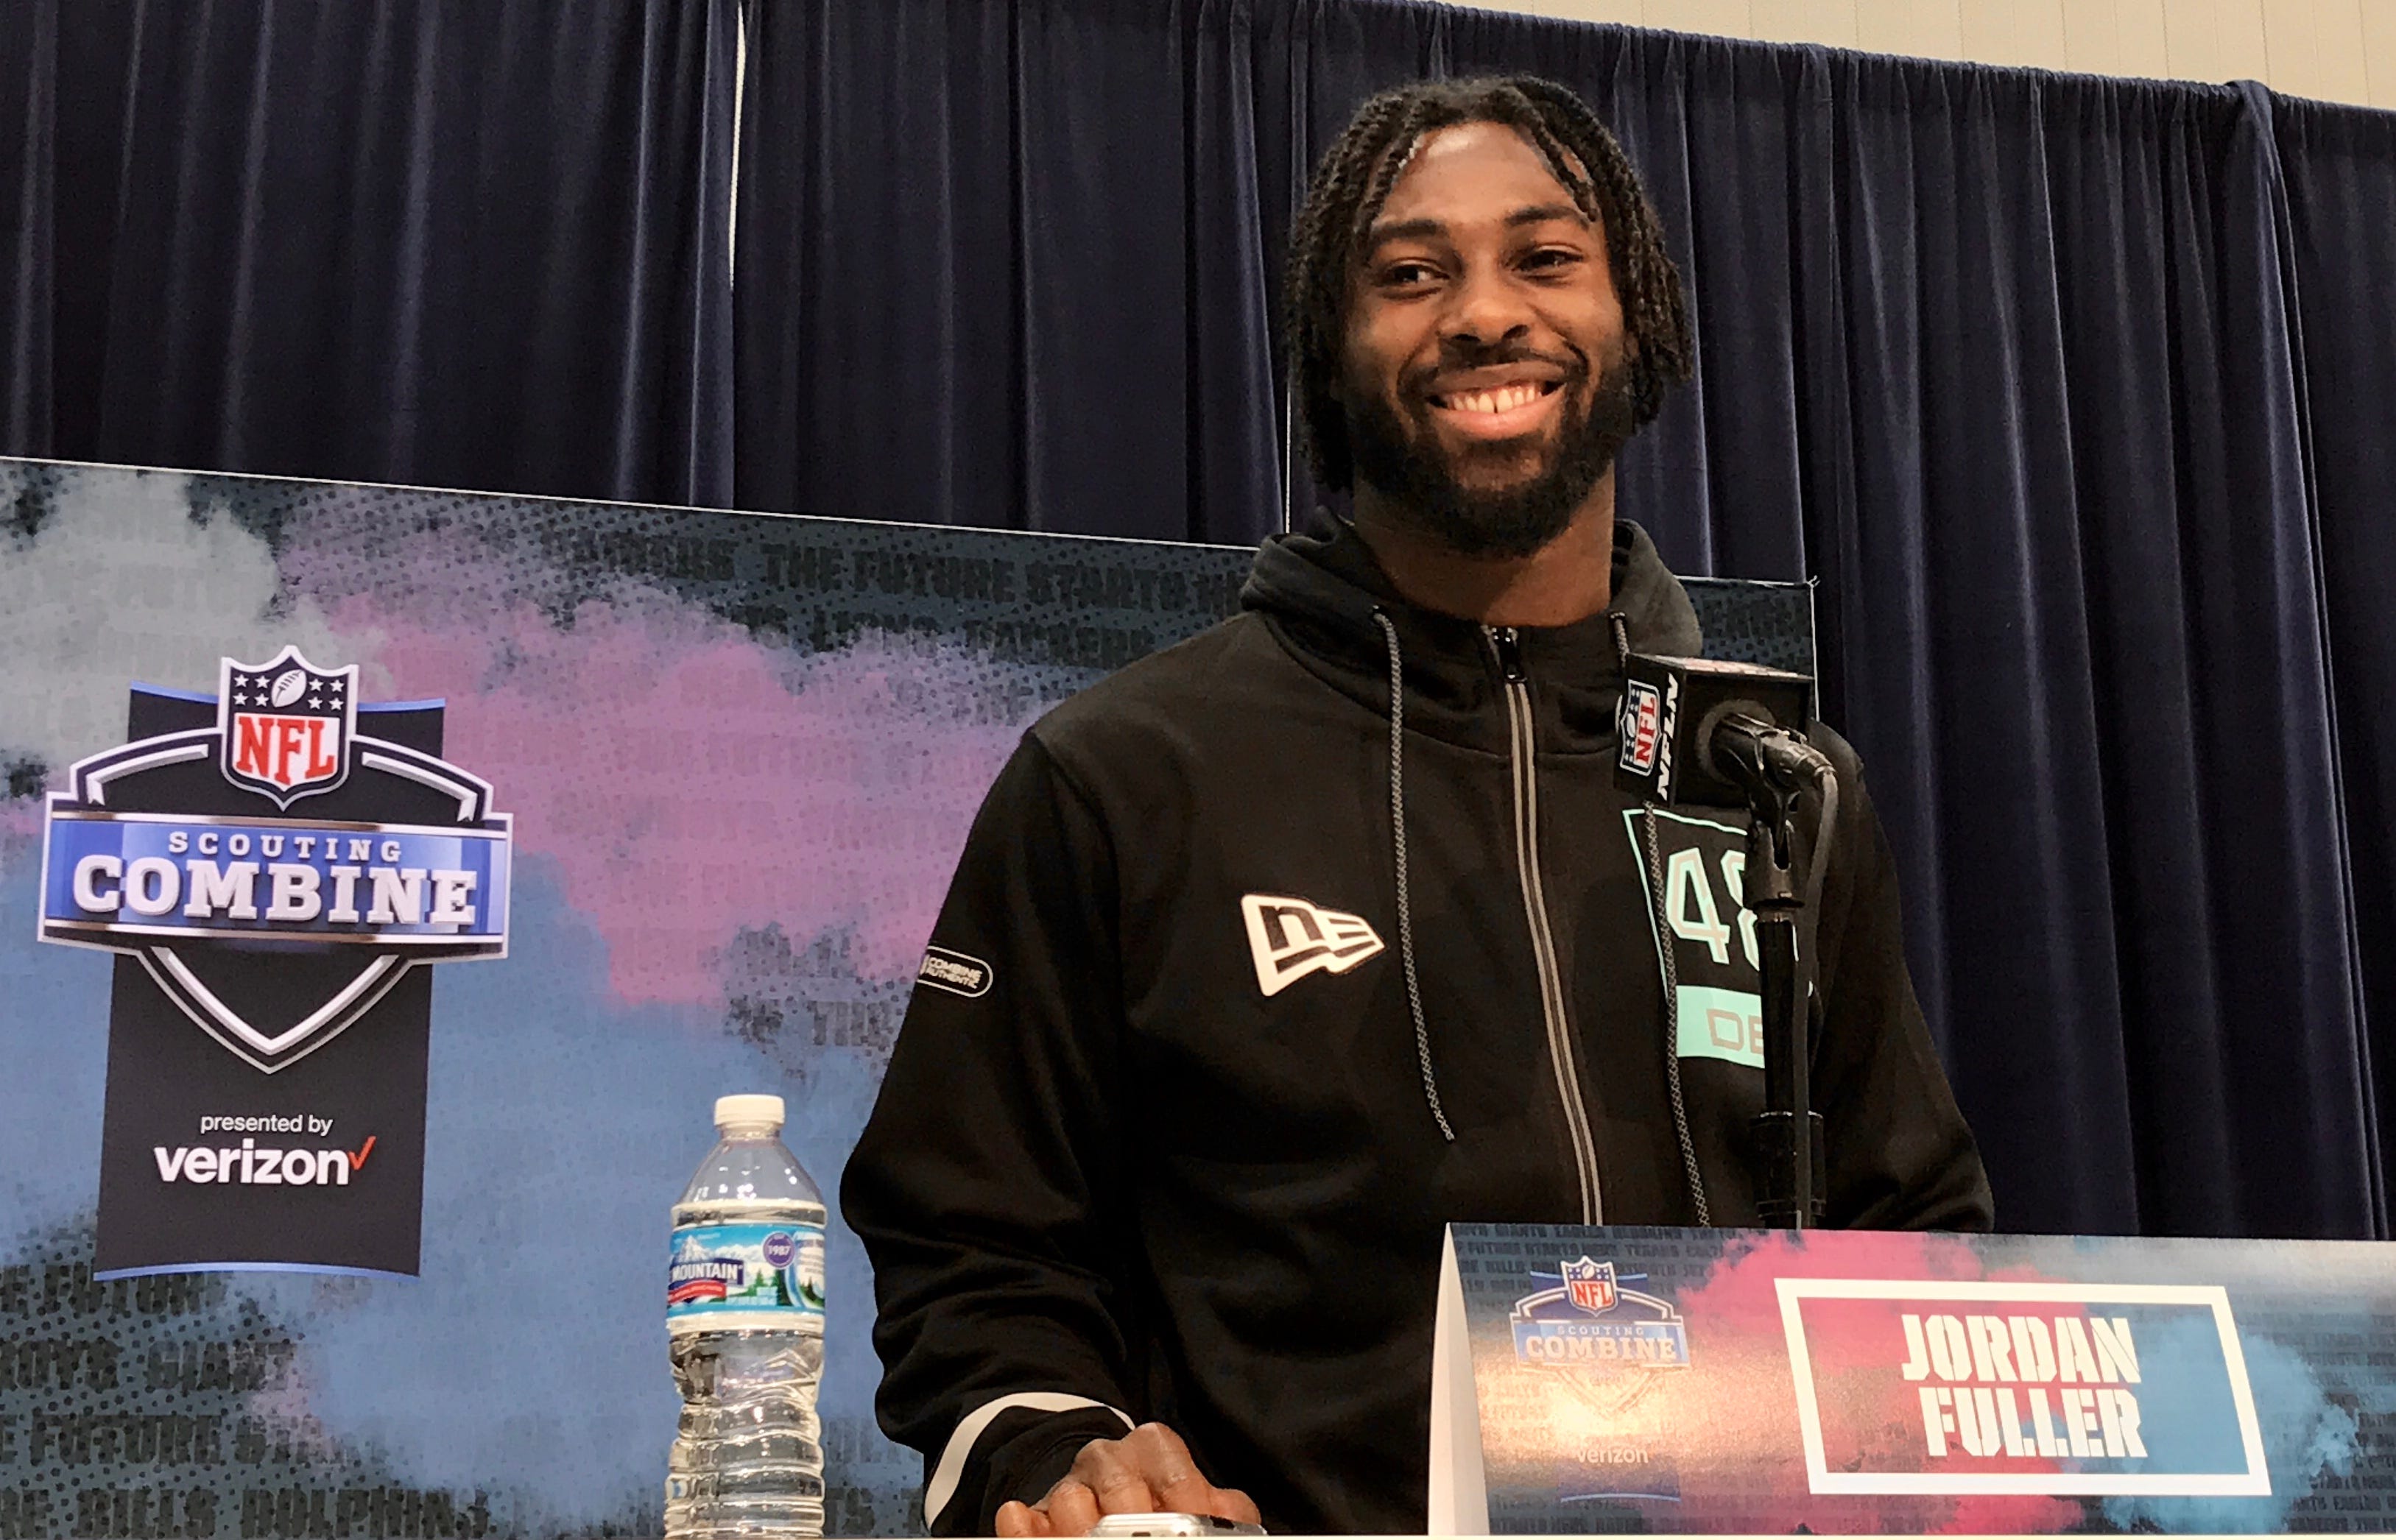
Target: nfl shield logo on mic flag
285	725
1643	713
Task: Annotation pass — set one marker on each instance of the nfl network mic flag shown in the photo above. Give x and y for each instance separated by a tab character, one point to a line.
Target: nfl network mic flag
271	865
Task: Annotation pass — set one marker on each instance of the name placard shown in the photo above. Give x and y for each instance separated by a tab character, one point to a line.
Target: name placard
1744	1382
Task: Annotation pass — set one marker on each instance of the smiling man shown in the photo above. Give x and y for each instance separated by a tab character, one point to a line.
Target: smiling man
1275	953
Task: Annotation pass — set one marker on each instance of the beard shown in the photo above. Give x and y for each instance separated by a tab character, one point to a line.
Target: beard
1426	489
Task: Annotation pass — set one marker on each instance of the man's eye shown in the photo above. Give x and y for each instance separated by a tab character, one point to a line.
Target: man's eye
1407	274
1552	256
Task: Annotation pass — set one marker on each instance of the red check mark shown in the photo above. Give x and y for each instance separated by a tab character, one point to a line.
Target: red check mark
358	1156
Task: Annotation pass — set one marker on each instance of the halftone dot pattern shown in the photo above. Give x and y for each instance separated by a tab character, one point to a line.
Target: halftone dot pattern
723	724
148	1407
113	577
77	1365
1770	624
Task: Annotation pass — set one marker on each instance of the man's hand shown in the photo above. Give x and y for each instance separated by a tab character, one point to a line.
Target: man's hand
1147	1470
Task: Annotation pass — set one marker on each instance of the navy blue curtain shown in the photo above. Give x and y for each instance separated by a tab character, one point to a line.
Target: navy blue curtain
2077	397
2339	164
444	242
1002	264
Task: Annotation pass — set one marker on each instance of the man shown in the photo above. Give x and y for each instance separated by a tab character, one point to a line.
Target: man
1295	942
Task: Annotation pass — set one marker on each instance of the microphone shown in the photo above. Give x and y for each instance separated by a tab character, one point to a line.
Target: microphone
1732	734
1737	742
1697	730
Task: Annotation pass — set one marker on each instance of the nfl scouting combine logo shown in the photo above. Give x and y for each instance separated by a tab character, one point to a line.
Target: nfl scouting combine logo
195	896
1609	1339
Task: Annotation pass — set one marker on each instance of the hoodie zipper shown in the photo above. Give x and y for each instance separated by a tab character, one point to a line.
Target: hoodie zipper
1506	644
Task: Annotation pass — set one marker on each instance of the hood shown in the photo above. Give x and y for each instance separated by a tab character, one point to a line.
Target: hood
1320	590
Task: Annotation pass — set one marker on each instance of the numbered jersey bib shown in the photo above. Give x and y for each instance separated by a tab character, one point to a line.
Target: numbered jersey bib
1700	912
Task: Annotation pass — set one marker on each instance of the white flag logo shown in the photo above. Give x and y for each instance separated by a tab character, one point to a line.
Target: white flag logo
1289	939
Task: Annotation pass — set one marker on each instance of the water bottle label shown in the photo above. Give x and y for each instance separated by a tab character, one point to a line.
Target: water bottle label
720	1269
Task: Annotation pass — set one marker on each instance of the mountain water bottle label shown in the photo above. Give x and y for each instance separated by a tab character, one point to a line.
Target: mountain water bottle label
723	1270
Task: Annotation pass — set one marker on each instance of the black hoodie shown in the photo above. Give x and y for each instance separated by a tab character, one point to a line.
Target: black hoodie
1165	1135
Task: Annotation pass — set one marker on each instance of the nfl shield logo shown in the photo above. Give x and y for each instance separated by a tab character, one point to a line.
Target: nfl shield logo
1643	711
285	725
1590	1285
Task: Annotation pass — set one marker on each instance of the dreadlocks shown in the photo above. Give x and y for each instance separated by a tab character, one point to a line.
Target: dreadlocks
1354	180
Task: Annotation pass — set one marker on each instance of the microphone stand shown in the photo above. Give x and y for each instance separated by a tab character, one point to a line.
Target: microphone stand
1789	1131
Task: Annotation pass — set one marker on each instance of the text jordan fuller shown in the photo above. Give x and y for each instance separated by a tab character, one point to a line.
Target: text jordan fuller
205	888
1996	1369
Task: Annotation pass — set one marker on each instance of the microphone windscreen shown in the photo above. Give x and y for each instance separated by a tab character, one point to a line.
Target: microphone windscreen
1671	707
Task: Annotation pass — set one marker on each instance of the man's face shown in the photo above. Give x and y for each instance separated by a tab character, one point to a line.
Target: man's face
1485	379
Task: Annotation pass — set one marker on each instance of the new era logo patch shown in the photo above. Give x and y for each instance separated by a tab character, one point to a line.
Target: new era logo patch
1289	939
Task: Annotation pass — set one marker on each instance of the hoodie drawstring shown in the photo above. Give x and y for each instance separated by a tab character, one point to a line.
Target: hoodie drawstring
1398	839
1657	896
1671	1027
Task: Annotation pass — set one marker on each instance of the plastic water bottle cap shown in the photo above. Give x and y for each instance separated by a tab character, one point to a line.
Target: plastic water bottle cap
748	1112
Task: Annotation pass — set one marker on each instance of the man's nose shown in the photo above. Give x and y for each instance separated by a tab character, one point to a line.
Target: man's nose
1488	309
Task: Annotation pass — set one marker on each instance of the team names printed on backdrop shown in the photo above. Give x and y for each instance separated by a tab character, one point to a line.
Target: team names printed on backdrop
2081	1390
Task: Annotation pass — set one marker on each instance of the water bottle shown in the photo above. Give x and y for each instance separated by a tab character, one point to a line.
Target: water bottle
744	1319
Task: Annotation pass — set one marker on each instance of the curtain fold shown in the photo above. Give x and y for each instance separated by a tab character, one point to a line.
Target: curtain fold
28	108
991	284
2073	395
449	243
2338	165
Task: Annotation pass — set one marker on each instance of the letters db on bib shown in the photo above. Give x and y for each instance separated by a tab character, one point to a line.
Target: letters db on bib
272	864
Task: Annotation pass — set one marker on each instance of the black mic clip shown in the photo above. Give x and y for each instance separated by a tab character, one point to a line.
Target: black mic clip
1739	742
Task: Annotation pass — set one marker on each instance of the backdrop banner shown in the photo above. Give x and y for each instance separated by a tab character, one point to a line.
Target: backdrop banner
702	776
1841	1382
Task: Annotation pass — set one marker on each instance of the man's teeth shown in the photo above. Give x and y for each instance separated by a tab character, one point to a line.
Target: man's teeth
1504	400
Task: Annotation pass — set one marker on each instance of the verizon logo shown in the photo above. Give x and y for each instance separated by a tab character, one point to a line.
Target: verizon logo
1289	939
253	1167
